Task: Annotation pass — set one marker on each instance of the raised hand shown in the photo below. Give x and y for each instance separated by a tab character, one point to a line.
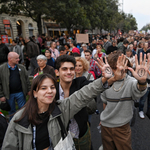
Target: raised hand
121	67
105	68
141	68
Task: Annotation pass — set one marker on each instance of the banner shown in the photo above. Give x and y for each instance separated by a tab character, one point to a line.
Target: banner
82	38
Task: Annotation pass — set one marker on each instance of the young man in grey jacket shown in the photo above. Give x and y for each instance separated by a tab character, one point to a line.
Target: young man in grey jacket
118	103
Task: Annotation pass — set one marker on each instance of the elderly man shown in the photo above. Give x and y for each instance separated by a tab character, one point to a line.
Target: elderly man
14	82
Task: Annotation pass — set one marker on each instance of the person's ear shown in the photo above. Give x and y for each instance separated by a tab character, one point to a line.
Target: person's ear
56	72
35	94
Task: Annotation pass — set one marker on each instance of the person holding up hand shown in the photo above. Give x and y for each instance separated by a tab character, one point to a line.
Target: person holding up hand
119	99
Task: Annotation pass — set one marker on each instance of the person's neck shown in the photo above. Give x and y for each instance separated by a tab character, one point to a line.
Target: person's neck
41	68
65	85
79	74
145	49
43	108
48	57
11	65
73	46
52	48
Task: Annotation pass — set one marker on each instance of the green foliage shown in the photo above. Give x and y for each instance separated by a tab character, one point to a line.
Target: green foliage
73	14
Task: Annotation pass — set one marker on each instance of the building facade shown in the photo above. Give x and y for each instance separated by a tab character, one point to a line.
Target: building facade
15	26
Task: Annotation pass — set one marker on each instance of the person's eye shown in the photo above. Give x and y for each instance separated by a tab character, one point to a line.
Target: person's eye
53	87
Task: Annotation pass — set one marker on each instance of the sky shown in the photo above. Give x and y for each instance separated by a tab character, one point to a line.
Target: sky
140	9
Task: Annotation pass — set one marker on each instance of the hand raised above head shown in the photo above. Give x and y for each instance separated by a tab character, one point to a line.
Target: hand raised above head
105	68
141	68
121	67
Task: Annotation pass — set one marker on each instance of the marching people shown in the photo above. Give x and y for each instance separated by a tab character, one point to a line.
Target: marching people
37	125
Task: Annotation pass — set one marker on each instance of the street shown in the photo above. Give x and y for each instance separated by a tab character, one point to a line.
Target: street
140	131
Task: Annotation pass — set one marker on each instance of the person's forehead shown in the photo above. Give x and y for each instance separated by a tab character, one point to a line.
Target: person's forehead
67	65
87	53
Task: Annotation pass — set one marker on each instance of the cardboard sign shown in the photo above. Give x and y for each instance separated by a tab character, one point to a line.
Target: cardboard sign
82	38
4	38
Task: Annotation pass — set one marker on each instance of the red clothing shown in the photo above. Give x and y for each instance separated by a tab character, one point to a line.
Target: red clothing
76	50
99	55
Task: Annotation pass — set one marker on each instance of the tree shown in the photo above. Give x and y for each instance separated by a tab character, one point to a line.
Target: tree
36	9
69	13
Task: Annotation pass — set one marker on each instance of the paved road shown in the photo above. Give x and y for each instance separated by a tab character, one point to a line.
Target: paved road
140	131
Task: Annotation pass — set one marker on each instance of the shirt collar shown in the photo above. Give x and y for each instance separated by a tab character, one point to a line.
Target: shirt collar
11	67
61	92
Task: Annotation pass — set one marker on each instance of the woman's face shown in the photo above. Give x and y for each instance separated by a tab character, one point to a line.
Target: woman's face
99	49
46	92
41	62
47	53
79	67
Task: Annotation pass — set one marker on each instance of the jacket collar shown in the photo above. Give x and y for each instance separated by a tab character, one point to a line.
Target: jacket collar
24	125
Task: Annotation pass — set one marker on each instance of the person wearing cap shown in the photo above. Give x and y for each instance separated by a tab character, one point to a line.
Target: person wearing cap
84	47
106	44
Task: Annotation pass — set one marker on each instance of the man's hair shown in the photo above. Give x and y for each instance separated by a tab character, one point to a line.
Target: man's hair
88	51
67	45
112	59
61	48
64	58
125	42
14	41
73	42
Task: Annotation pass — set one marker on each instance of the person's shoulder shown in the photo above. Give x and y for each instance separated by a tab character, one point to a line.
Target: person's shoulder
4	65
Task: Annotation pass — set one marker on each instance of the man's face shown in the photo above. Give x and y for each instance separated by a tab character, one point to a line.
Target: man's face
0	41
15	59
114	44
66	72
63	52
87	56
13	43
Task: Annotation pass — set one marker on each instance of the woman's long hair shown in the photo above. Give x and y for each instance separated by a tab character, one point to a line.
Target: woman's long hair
31	107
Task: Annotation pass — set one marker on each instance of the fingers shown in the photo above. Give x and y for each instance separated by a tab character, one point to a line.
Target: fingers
141	58
144	59
136	60
106	60
130	69
148	62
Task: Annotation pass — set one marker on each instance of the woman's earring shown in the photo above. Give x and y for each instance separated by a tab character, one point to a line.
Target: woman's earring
34	97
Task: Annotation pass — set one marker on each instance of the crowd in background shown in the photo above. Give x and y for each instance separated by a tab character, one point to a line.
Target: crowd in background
40	54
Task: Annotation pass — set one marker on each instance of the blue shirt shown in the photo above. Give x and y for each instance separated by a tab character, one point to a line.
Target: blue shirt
11	67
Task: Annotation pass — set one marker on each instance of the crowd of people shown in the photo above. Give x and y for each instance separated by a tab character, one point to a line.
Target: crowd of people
67	78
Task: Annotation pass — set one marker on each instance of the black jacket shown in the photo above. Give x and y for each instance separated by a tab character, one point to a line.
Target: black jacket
82	116
111	49
3	53
3	127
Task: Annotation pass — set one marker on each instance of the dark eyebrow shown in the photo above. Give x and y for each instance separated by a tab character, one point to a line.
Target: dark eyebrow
67	67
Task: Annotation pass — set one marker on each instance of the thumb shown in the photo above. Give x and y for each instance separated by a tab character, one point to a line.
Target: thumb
130	69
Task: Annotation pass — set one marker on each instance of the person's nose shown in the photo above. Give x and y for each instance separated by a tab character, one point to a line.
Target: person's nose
49	90
68	71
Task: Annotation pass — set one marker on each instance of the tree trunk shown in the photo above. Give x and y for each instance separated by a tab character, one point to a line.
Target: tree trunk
39	24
